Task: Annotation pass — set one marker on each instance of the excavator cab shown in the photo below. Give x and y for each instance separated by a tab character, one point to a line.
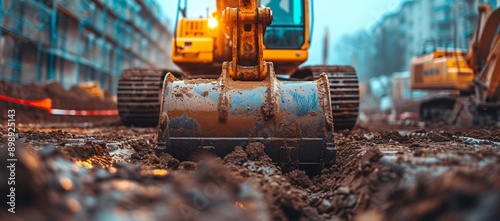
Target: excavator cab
288	28
286	40
200	45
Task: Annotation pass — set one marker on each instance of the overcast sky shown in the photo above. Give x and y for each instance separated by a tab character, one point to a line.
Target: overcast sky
339	16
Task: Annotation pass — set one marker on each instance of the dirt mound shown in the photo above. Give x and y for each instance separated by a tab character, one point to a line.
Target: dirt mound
486	134
416	176
145	154
248	165
52	188
299	178
73	99
284	201
439	137
453	196
391	136
359	182
89	155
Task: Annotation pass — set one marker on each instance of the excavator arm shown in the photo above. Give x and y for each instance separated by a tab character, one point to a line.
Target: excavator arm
483	54
491	72
246	27
484	36
223	4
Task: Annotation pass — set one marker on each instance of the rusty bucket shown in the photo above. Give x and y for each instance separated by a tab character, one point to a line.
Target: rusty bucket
292	119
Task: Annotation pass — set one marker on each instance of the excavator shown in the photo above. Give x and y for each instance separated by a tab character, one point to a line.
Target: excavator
241	82
474	77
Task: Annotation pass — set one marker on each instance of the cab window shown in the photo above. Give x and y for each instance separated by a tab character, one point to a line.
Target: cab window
287	28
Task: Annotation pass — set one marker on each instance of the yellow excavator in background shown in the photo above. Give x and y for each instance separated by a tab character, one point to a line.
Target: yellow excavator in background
240	51
475	76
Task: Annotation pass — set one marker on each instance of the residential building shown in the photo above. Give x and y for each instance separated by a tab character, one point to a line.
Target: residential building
415	27
71	41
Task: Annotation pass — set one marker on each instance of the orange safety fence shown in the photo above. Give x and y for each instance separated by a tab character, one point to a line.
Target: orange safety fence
46	104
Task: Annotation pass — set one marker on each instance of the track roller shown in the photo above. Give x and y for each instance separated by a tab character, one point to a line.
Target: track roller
344	93
138	96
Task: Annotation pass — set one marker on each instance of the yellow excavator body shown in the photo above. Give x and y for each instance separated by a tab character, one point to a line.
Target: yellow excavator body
441	70
240	50
201	45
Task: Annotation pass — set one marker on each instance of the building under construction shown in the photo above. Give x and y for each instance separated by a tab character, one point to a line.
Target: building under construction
72	41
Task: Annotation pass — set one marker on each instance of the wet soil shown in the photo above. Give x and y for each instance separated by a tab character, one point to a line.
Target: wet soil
393	172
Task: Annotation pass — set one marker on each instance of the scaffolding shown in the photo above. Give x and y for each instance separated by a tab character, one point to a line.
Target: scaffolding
72	41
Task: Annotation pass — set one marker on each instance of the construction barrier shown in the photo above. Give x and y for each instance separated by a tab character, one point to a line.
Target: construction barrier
46	104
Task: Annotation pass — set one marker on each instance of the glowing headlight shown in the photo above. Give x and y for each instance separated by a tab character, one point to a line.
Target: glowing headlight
212	23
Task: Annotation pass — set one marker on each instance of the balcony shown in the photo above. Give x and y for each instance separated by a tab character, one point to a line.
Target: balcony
26	19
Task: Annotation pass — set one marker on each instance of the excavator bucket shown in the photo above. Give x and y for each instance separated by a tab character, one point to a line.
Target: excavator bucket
247	103
293	119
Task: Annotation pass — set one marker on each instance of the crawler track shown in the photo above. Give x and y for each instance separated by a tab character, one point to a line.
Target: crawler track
459	111
139	93
344	92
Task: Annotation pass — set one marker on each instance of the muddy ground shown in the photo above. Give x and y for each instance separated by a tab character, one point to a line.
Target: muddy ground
383	172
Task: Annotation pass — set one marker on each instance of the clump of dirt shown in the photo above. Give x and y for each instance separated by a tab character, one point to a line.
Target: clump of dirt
31	184
358	182
73	99
145	154
284	200
89	155
453	196
267	108
237	157
52	188
438	137
299	178
391	136
493	135
255	151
